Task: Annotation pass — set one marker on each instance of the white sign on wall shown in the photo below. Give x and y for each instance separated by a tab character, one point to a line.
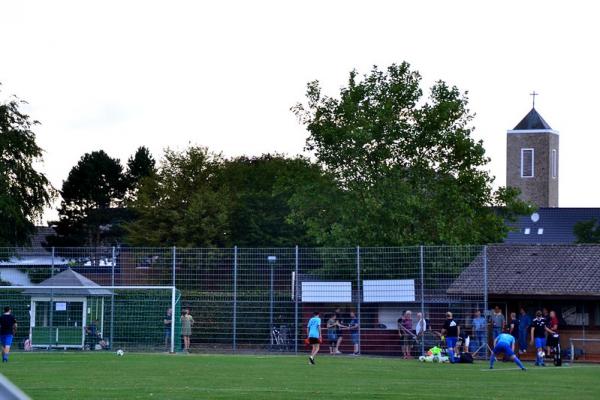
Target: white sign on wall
61	306
326	292
393	290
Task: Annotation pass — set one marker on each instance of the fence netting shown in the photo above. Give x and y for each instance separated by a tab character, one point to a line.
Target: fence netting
381	301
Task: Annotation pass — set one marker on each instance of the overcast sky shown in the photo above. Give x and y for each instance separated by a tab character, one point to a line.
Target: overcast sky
115	75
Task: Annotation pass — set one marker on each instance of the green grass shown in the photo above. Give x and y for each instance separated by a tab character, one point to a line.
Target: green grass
161	376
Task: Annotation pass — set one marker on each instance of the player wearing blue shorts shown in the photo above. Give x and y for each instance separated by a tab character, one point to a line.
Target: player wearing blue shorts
538	335
8	326
314	335
451	331
505	343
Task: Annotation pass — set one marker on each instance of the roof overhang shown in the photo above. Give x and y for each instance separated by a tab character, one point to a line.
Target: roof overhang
522	131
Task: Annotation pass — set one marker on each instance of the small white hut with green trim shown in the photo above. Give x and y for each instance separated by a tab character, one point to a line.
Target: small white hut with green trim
58	317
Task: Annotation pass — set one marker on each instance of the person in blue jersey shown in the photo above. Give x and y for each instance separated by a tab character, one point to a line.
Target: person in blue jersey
505	344
313	330
8	327
539	328
353	327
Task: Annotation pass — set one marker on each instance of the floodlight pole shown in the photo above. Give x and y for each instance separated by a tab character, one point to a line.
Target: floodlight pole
271	260
422	267
173	290
235	277
296	304
485	294
358	294
112	300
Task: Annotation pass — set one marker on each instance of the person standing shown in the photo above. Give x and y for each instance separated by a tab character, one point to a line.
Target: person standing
332	333
498	322
513	325
479	332
451	330
313	331
353	327
186	329
339	326
8	328
505	343
538	337
406	334
167	321
524	324
553	338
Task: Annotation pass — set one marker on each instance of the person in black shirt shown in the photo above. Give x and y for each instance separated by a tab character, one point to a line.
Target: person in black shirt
451	330
538	335
167	321
8	327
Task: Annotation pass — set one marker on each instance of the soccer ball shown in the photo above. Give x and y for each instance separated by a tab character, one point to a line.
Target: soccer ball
120	353
541	354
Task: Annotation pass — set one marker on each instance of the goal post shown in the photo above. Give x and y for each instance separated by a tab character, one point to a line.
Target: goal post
584	349
94	317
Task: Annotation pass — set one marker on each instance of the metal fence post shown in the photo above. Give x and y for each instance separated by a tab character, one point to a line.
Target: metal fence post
112	299
174	264
422	268
52	270
358	293
485	296
296	303
235	271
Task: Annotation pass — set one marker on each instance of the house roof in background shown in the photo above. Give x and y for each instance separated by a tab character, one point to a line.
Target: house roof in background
532	121
534	270
549	225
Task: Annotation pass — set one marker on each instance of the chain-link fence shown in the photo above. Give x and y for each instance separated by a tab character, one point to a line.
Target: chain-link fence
383	301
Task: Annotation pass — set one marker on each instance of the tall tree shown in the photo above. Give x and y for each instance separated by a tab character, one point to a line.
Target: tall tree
260	189
407	169
179	205
24	192
90	209
139	166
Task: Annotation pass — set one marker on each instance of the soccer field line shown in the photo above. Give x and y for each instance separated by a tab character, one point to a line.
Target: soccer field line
549	368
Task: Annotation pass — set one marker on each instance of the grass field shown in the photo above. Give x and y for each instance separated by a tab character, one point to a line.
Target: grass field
161	376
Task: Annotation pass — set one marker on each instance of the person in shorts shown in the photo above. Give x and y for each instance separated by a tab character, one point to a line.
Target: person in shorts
538	336
332	333
450	331
505	344
353	327
313	331
8	327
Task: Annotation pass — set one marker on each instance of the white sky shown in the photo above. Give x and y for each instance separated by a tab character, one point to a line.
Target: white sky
115	75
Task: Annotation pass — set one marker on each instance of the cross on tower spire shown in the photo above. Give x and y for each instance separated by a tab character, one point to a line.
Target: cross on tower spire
533	94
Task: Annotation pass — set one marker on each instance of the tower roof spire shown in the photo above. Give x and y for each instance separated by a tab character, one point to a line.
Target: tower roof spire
533	94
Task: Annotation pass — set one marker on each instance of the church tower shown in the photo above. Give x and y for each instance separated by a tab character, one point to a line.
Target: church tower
532	160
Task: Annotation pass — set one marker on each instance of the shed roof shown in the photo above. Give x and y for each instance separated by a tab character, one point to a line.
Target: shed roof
68	277
534	270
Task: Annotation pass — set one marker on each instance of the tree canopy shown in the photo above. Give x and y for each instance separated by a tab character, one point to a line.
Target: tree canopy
587	231
24	192
406	169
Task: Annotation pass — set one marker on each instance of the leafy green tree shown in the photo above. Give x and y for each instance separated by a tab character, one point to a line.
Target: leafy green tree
180	205
407	169
24	192
90	209
260	189
139	166
587	231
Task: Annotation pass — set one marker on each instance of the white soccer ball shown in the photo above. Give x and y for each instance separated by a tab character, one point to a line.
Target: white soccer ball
422	358
120	353
541	354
